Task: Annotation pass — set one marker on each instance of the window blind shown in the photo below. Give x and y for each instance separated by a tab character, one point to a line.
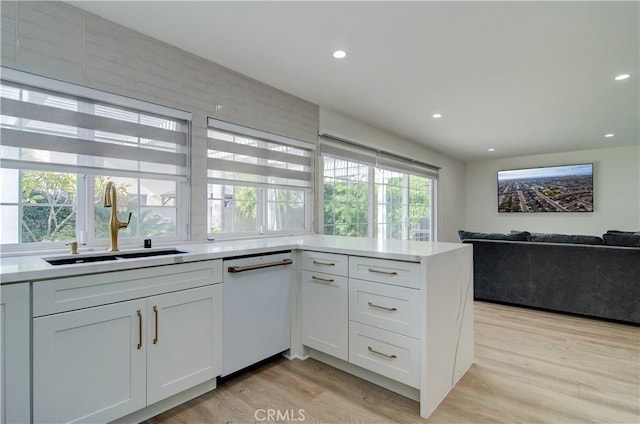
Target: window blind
236	154
342	148
44	129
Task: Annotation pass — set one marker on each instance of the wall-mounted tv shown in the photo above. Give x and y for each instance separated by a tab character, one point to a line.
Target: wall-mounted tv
567	188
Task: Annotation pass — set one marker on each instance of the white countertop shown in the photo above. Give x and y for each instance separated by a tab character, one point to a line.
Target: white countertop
32	267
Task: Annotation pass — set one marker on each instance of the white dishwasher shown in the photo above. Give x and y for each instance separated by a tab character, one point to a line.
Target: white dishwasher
256	309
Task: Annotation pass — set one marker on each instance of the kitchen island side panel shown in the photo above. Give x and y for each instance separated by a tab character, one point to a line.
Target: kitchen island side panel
447	342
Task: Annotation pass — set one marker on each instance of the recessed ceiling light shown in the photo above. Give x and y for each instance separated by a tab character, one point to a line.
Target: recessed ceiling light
437	115
339	54
492	149
609	135
622	77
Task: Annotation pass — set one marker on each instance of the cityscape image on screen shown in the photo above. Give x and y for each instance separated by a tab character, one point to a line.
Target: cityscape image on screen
567	188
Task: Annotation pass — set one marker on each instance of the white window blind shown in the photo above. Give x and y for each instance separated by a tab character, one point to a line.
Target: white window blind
338	147
237	154
63	132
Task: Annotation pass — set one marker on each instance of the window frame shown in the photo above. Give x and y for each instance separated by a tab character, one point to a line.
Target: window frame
339	148
261	184
85	175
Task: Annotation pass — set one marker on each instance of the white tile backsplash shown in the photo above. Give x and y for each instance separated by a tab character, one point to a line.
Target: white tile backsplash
61	41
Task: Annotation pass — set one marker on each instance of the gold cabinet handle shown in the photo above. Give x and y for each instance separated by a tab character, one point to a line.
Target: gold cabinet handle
378	271
140	329
322	280
324	263
155	312
373	305
372	350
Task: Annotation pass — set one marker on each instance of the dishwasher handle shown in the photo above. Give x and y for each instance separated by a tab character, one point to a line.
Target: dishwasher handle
236	269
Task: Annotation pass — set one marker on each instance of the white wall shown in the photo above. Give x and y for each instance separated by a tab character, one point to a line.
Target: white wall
450	190
616	188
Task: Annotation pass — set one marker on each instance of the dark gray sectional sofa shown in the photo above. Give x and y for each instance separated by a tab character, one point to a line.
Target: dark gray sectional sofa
572	274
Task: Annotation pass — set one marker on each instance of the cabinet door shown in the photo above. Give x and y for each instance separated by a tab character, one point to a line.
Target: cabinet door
15	323
324	313
89	365
184	332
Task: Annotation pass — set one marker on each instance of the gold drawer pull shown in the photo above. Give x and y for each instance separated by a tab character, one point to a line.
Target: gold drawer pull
155	311
373	305
378	271
323	280
324	263
140	329
372	350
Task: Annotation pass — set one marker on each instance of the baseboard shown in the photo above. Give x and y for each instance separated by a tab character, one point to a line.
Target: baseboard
166	404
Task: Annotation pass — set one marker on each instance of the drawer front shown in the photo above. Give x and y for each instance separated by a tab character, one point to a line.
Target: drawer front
84	291
385	353
384	306
330	263
398	273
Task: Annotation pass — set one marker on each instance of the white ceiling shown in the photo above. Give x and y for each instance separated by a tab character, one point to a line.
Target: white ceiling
521	77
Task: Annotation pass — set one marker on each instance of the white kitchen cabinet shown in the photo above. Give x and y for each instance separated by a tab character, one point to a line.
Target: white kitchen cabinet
15	338
87	365
385	306
325	313
183	340
400	293
384	318
325	303
386	353
100	363
329	263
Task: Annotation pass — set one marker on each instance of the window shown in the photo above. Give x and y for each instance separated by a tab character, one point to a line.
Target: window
369	193
346	198
258	183
61	144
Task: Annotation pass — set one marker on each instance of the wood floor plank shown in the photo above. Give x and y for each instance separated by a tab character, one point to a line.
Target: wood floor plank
529	367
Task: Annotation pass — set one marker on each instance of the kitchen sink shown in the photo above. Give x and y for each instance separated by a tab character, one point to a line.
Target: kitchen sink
111	256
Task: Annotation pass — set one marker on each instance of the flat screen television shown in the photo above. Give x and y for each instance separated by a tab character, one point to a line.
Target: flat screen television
566	188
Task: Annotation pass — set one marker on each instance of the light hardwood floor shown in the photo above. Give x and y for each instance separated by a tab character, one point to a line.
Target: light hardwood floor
530	367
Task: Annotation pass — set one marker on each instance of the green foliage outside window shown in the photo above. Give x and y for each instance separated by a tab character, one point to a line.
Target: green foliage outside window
49	209
49	206
346	208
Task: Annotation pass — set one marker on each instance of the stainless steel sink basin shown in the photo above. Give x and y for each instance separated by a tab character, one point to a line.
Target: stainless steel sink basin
111	256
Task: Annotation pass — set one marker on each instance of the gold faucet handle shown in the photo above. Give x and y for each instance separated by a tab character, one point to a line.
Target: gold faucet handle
125	224
74	247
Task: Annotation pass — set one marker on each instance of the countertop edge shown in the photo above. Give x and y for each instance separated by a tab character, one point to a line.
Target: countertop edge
30	268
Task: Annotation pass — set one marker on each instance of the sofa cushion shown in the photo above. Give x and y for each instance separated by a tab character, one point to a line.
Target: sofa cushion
622	239
513	236
622	232
564	238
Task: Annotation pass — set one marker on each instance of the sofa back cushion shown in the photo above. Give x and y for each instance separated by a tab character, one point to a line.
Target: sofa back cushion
513	236
622	239
564	238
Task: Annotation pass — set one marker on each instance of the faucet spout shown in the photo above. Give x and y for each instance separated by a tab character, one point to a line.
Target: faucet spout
115	225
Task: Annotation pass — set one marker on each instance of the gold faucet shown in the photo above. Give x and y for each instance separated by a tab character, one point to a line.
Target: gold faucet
74	247
110	201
